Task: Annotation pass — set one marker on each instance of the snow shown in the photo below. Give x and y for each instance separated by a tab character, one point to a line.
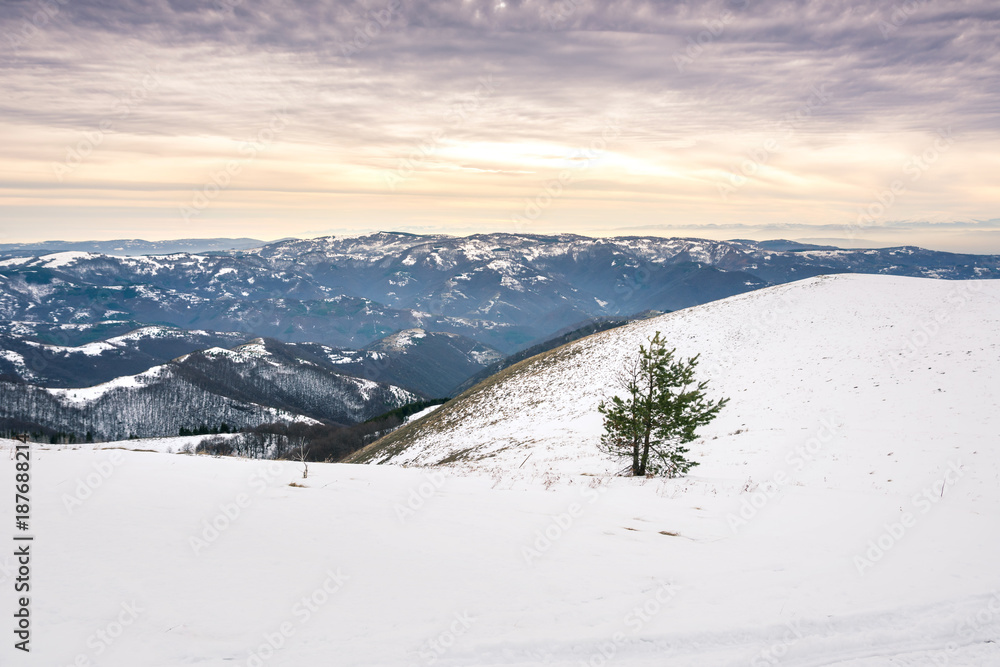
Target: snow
60	259
93	349
255	349
84	395
862	336
150	332
857	421
166	445
403	339
423	413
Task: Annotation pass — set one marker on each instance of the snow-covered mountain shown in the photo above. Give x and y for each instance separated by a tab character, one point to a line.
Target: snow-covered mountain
887	359
23	357
258	382
431	363
508	291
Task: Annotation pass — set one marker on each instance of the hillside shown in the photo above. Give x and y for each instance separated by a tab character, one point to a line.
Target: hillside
574	333
24	358
881	355
423	361
248	385
844	515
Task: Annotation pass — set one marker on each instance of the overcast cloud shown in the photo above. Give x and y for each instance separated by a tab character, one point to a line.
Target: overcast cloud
826	119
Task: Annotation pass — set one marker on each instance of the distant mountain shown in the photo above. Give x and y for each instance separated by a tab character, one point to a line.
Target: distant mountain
506	291
251	384
22	357
433	364
127	247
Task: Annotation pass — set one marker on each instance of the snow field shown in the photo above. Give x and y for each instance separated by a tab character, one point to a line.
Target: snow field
845	513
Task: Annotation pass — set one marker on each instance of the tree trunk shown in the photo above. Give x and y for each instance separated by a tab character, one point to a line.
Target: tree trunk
647	426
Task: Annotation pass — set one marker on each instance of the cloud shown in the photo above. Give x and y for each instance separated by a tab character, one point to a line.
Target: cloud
368	88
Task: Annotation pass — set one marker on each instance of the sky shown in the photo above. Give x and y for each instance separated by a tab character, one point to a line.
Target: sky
858	124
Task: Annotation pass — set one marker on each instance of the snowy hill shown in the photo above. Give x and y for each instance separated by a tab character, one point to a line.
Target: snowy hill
259	382
880	356
845	515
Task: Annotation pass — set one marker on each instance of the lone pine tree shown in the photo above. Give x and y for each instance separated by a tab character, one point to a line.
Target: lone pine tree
662	408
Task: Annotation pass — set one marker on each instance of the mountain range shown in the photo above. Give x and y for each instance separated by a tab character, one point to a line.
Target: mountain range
415	316
507	291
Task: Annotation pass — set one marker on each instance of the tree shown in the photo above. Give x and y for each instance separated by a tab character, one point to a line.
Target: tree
662	409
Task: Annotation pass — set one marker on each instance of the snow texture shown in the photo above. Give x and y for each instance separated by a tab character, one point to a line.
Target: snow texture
787	547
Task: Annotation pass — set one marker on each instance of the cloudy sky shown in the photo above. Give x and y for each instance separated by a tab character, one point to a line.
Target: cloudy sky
868	123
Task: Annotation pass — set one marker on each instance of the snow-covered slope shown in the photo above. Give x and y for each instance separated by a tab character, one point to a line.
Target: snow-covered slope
845	515
903	365
245	386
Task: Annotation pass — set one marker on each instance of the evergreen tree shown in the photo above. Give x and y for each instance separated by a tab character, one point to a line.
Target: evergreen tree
660	412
